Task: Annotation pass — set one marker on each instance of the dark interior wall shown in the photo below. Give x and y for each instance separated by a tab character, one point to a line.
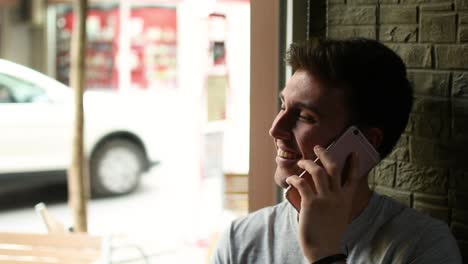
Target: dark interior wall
428	170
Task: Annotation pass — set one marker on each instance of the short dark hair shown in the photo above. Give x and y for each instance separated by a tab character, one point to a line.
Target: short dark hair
372	75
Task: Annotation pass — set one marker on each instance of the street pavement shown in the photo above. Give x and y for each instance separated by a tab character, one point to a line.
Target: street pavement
168	221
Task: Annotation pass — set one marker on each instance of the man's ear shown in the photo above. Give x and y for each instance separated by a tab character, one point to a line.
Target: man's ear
374	135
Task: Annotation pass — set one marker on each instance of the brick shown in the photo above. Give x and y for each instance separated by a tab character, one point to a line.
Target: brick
463	34
457	200
401	150
452	56
460	85
434	152
459	149
409	126
461	4
437	27
371	177
451	180
385	173
397	14
430	118
460	128
460	216
460	122
463	18
360	2
436	7
421	178
351	15
370	2
460	230
430	125
432	83
399	33
439	212
439	200
343	32
463	246
414	55
460	108
403	197
423	1
432	106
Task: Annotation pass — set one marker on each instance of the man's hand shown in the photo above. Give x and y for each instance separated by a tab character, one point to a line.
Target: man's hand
326	206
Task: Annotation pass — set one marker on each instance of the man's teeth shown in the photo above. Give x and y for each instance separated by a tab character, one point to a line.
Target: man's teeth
287	155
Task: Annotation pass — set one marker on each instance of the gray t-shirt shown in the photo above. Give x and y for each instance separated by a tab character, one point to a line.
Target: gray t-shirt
385	232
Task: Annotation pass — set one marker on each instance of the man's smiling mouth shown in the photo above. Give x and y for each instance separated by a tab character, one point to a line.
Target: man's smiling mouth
288	155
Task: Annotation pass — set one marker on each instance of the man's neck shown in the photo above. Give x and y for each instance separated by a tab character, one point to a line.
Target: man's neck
361	200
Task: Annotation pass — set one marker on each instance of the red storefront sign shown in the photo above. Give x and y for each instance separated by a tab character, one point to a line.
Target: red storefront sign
154	48
153	44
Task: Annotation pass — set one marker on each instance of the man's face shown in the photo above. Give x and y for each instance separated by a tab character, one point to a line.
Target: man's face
310	115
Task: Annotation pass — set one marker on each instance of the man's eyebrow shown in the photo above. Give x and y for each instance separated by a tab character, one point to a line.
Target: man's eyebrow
309	106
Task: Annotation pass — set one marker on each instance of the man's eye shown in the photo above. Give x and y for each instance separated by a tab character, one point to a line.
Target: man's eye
308	118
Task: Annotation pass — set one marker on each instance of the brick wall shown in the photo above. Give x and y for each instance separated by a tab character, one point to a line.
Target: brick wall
428	170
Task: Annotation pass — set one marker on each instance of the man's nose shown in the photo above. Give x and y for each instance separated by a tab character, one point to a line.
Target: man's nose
281	128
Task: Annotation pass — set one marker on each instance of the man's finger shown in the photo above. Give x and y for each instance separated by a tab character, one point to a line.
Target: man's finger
305	191
329	164
319	176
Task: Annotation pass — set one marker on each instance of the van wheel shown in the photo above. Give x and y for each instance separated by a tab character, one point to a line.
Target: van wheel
116	167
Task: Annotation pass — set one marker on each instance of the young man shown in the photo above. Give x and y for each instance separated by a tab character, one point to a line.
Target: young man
337	84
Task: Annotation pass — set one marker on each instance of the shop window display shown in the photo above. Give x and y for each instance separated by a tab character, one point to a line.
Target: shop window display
152	42
101	49
153	47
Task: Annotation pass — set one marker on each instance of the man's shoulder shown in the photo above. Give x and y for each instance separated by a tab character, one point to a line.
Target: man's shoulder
430	235
434	239
392	230
427	226
386	217
263	216
261	236
262	221
410	217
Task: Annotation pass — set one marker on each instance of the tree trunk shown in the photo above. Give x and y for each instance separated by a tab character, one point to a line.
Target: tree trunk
78	182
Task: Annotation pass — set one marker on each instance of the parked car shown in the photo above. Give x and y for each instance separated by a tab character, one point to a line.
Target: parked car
36	130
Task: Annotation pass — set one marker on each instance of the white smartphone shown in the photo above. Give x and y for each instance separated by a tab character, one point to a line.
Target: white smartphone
352	140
